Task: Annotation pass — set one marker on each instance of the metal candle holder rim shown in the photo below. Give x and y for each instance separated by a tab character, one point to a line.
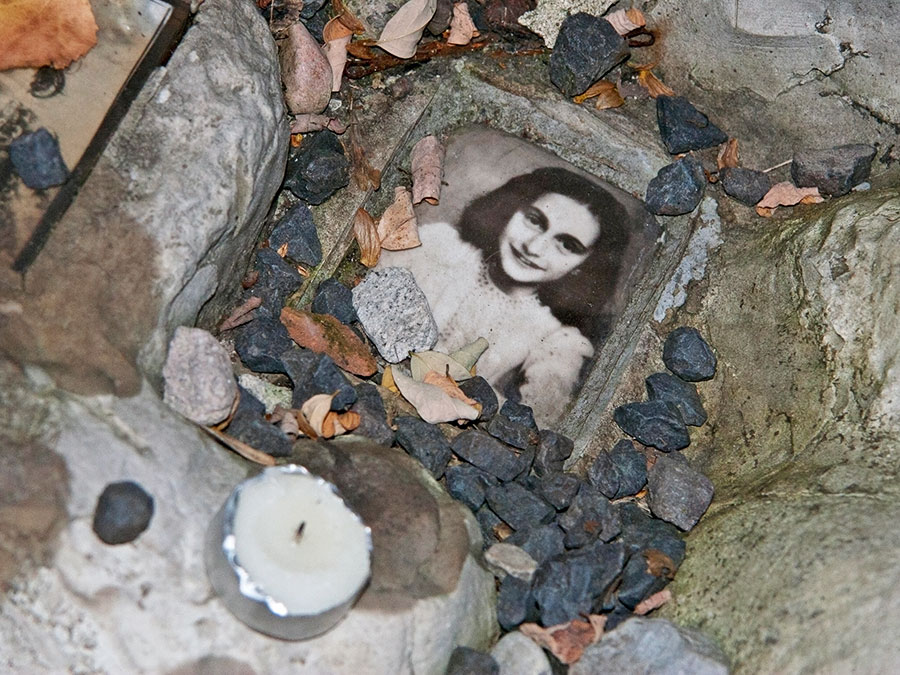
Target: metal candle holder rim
249	588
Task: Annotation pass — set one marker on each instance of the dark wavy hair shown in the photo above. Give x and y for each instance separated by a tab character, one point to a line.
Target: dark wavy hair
579	298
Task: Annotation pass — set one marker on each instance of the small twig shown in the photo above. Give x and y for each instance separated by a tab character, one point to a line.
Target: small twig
241	448
778	166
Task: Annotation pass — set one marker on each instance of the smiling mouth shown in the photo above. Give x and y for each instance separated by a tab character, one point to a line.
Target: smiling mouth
524	260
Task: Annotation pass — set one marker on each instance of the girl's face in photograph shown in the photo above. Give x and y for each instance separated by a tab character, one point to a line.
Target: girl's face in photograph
547	239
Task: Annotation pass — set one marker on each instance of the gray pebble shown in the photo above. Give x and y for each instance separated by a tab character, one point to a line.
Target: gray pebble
199	381
746	185
686	354
684	128
123	511
654	423
671	388
834	171
678	494
677	188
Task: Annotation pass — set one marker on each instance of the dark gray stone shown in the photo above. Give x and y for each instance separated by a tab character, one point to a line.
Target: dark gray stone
248	403
312	374
834	171
654	423
559	489
297	230
256	431
639	583
261	343
587	47
684	128
541	543
425	442
671	388
642	532
318	168
487	521
441	19
277	280
677	188
515	603
620	472
36	159
487	453
468	661
372	417
746	185
519	413
677	493
468	484
478	388
123	511
590	516
512	432
686	354
553	450
332	297
310	7
519	507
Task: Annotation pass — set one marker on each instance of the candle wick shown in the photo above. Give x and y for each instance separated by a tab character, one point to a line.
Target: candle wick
299	532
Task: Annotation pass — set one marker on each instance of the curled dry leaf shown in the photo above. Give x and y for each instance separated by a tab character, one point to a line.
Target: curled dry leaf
364	175
337	36
566	641
786	194
431	402
367	237
324	421
398	228
279	413
449	387
325	334
626	20
37	33
421	363
655	601
303	124
654	86
427	161
403	31
468	355
243	314
387	380
462	28
728	155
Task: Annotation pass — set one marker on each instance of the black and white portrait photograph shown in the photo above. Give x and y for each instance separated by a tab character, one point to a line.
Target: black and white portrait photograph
532	254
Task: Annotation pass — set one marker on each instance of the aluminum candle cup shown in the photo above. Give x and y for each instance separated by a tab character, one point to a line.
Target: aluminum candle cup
287	555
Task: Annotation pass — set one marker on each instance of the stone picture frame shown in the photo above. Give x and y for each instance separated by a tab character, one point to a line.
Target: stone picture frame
613	148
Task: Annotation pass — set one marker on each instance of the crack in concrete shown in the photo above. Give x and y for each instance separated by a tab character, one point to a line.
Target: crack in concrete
864	109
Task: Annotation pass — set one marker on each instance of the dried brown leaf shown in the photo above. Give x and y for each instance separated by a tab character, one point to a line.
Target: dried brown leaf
402	32
462	28
303	124
659	564
427	161
566	641
367	237
626	20
283	249
241	315
325	334
398	228
348	420
728	155
336	29
364	174
655	601
786	194
599	87
37	33
324	421
431	402
611	98
653	84
449	387
241	448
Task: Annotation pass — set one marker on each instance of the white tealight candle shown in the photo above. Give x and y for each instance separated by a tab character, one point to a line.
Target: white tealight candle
287	555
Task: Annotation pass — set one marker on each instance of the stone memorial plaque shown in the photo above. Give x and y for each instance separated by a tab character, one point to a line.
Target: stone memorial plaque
531	253
80	107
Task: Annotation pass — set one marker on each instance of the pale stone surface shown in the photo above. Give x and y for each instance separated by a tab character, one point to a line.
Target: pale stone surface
199	382
147	606
172	208
642	646
269	394
505	559
548	16
805	449
517	654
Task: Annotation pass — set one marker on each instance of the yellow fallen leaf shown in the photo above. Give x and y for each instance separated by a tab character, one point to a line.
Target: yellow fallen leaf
398	228
402	32
421	363
35	33
653	84
462	28
427	159
431	402
728	155
449	387
367	237
786	194
626	20
599	87
387	380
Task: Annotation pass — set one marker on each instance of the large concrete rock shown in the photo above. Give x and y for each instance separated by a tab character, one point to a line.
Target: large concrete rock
172	208
803	445
71	602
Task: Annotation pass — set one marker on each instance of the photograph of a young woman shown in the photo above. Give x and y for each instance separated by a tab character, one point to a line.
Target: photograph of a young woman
532	267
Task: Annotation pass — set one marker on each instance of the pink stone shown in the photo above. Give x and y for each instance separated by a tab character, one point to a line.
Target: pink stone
305	72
